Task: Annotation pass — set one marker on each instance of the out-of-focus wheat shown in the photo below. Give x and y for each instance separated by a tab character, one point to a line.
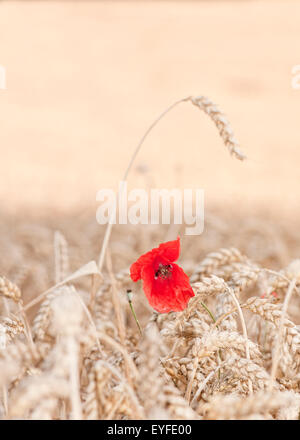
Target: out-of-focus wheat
211	361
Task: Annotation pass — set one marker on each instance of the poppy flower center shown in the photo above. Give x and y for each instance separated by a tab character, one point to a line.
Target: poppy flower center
164	271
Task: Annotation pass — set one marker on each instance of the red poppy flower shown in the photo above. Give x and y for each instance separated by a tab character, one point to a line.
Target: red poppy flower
165	284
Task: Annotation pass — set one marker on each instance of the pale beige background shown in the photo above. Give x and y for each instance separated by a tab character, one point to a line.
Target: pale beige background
85	79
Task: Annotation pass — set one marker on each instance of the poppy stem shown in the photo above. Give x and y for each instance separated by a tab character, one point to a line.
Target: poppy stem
129	297
208	311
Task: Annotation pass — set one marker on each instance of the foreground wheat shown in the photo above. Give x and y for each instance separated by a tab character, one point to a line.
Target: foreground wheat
84	364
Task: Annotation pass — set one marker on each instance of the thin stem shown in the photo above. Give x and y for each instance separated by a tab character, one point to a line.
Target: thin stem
129	296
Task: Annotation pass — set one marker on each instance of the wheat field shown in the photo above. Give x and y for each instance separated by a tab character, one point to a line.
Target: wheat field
79	355
70	348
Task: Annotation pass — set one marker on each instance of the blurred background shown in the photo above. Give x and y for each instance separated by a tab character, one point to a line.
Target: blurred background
84	79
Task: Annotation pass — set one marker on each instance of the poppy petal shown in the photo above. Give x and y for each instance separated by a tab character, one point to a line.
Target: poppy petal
145	260
170	250
166	295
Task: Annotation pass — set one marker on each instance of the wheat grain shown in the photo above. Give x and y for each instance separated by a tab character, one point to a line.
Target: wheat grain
215	260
